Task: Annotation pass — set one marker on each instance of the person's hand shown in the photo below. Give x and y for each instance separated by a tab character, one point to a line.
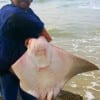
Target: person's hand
11	70
27	41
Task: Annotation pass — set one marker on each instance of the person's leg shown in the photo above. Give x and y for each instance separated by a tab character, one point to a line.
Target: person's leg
9	86
26	96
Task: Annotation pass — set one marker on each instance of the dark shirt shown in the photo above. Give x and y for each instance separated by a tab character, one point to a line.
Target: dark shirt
16	25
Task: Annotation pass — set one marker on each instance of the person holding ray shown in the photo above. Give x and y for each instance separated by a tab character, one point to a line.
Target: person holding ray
18	23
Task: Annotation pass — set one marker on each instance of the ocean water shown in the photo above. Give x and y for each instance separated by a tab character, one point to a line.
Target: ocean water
74	26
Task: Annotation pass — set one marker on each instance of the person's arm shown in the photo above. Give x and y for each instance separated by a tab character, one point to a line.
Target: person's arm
46	35
43	33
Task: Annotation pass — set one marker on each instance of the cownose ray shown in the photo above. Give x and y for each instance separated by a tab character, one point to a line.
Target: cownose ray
44	68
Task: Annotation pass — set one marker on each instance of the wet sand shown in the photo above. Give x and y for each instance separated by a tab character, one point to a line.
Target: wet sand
66	95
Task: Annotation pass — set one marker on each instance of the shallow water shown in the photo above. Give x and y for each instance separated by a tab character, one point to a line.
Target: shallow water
75	26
